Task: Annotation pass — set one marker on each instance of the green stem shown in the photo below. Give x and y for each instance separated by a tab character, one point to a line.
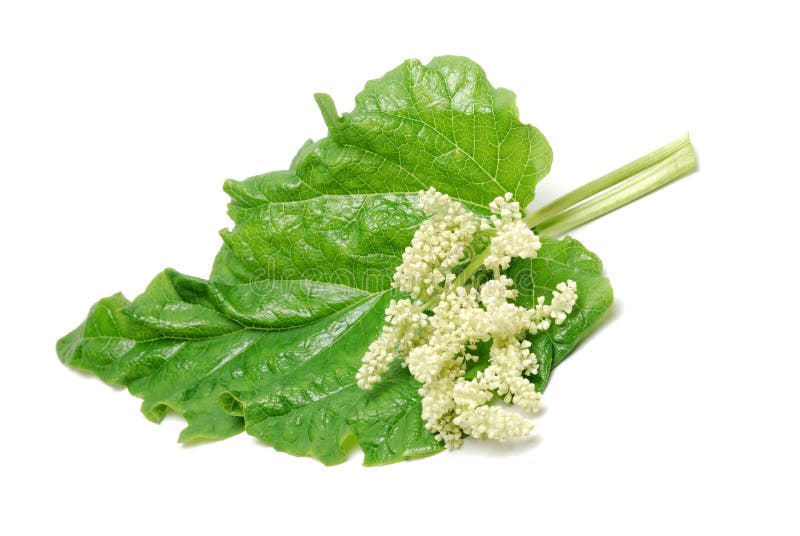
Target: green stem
606	181
474	265
613	190
669	170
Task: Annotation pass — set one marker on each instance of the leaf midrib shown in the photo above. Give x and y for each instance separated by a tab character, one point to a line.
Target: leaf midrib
478	208
244	327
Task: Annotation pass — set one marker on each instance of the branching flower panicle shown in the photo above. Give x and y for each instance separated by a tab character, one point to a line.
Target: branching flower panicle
437	331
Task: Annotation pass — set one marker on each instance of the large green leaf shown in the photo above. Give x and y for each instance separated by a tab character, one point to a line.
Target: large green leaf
271	342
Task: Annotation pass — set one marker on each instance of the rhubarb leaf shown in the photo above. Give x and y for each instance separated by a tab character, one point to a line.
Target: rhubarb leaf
271	342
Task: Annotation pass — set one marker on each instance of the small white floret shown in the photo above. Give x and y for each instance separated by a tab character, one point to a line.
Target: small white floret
492	422
564	298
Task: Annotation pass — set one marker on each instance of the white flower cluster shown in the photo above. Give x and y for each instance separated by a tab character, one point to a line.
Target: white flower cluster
436	344
513	238
453	406
406	329
437	246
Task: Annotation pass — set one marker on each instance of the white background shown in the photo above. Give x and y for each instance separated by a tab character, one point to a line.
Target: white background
119	123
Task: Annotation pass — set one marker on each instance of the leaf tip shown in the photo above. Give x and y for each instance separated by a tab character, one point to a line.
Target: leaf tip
328	109
229	186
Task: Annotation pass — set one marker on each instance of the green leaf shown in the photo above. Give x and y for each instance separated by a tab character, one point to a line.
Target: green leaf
389	426
271	342
439	125
557	261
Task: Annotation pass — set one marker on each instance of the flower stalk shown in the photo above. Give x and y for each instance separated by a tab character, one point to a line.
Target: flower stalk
605	194
615	189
